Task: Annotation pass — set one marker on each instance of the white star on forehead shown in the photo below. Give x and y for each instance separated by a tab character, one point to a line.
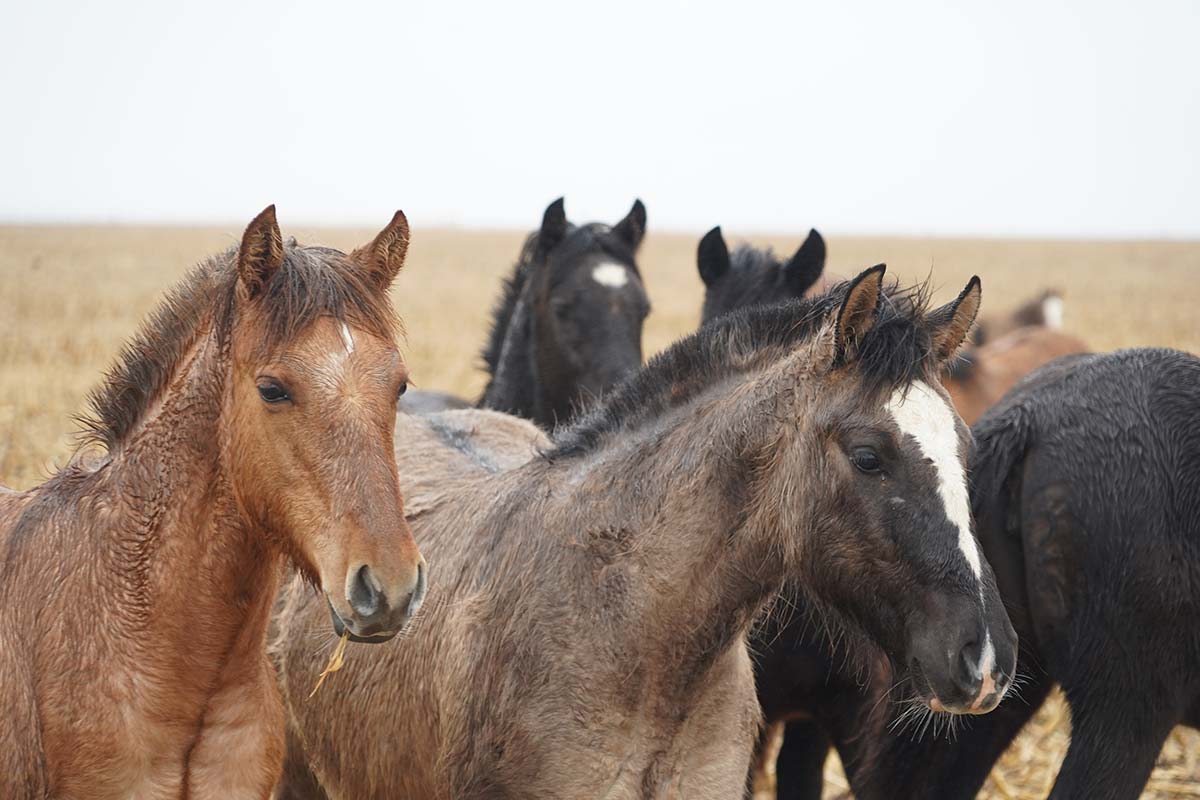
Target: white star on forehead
614	276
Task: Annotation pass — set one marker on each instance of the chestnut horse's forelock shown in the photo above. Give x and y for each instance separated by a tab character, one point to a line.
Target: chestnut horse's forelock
312	282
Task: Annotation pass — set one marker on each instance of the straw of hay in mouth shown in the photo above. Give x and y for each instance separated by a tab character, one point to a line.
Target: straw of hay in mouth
336	660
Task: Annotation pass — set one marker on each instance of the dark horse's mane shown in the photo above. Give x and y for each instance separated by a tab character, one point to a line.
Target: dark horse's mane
502	314
894	352
312	282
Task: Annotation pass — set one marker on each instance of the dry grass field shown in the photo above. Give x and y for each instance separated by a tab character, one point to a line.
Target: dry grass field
70	296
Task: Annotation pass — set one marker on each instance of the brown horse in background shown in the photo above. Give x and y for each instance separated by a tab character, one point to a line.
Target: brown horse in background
250	421
982	375
588	638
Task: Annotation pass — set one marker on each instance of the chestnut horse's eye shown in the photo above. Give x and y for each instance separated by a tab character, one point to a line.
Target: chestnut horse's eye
866	459
403	388
272	392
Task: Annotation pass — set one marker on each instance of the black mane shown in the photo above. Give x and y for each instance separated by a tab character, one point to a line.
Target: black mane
896	351
755	277
502	314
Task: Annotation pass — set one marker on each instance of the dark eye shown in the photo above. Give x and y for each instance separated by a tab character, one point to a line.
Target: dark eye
272	392
403	388
866	459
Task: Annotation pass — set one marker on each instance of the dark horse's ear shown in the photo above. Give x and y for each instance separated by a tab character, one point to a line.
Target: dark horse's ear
633	227
261	252
554	225
712	256
384	256
806	266
856	315
950	324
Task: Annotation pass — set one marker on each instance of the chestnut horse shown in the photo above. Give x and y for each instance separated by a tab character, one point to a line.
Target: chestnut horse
983	374
589	639
251	421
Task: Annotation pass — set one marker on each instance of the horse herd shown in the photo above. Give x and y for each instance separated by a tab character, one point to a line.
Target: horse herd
635	571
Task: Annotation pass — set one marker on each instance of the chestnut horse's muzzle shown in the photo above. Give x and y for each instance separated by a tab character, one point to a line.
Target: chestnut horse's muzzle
373	618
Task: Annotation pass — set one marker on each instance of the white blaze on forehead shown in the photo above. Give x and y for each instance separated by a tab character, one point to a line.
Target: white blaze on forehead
611	275
927	417
1052	311
347	339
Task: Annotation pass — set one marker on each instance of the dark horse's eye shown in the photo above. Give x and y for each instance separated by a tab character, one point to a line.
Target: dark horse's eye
403	388
272	392
866	459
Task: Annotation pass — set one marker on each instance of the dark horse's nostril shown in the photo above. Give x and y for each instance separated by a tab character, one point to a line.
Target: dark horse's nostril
968	675
366	598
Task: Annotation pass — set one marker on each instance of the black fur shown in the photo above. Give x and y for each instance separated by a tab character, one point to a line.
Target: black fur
751	276
558	337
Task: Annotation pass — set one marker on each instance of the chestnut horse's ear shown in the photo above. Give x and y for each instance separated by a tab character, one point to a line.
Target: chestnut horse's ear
261	252
950	324
633	227
384	256
554	225
712	256
856	316
806	266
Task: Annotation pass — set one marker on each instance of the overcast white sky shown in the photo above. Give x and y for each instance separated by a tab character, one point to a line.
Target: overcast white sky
1002	118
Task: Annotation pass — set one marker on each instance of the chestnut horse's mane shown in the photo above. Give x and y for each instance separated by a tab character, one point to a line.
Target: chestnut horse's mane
895	351
312	282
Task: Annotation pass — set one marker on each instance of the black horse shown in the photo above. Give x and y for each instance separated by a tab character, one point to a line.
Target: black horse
568	325
1086	494
751	276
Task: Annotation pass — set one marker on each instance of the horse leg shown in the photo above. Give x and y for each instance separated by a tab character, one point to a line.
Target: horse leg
800	767
1114	744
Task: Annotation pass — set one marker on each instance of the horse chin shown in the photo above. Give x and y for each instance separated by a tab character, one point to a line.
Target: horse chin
340	628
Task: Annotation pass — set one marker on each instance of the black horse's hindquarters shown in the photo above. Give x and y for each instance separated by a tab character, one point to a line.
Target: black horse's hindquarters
1088	476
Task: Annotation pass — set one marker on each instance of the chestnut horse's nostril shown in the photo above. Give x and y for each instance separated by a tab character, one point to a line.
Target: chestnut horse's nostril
418	593
366	596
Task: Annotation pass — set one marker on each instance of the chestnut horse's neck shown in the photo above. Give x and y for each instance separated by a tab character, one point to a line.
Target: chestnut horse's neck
199	581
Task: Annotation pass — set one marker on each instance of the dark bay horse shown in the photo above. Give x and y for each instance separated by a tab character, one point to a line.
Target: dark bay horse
1086	492
588	638
251	421
751	276
568	325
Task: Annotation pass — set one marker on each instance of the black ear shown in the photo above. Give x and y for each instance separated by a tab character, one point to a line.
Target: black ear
950	324
806	266
712	256
261	252
384	256
554	225
856	315
633	227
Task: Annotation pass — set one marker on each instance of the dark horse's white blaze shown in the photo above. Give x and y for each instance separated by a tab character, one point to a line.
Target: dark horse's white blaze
926	416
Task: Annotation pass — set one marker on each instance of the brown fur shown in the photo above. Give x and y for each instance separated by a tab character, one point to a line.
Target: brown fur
587	636
1001	363
136	584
